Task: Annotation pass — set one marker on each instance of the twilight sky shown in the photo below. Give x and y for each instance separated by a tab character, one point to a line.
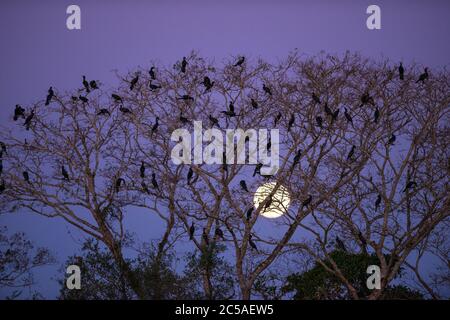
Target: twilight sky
38	51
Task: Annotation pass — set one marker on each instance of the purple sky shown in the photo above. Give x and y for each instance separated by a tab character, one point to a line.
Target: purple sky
38	51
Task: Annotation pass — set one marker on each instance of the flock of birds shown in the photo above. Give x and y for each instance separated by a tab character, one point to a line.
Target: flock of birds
366	99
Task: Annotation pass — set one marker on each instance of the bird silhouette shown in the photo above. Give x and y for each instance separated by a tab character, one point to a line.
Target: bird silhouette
1	166
183	119
251	243
268	145
307	201
401	71
243	185
219	233
351	153
319	121
154	182
363	241
257	169
64	173
190	175
191	231
423	76
296	158
269	201
3	148
213	121
277	118
335	115
249	212
19	112
366	99
83	99
291	122
254	103
28	120
155	125
392	139
2	187
240	62
224	162
152	73
133	82
93	84
50	95
86	85
142	170
124	110
409	185
230	112
328	110
340	245
315	98
267	90
377	202
376	115
145	187
26	176
118	184
348	116
184	64
103	111
205	237
185	97
207	83
117	98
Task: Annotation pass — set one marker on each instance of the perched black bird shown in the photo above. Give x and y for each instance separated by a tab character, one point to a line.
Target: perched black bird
340	244
26	176
348	116
319	121
142	170
296	158
409	185
183	119
124	110
392	139
240	61
257	169
269	143
268	202
153	87
267	89
423	76
377	202
27	122
207	83
184	64
118	184
277	118
213	121
335	115
363	241
49	96
351	153
86	85
291	122
19	112
190	175
155	125
191	231
103	111
74	99
219	233
3	148
93	84
224	162
133	82
83	99
376	115
307	201
254	103
1	166
366	99
249	212
230	112
315	98
154	182
152	73
205	237
2	187
401	71
64	173
145	187
116	97
243	185
185	97
251	243
328	110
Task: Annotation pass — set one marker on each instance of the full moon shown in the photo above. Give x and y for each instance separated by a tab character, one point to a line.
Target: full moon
280	200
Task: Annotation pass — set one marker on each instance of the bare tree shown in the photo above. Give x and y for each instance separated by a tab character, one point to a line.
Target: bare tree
363	155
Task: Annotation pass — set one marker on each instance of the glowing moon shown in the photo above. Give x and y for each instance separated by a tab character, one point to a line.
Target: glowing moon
280	200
